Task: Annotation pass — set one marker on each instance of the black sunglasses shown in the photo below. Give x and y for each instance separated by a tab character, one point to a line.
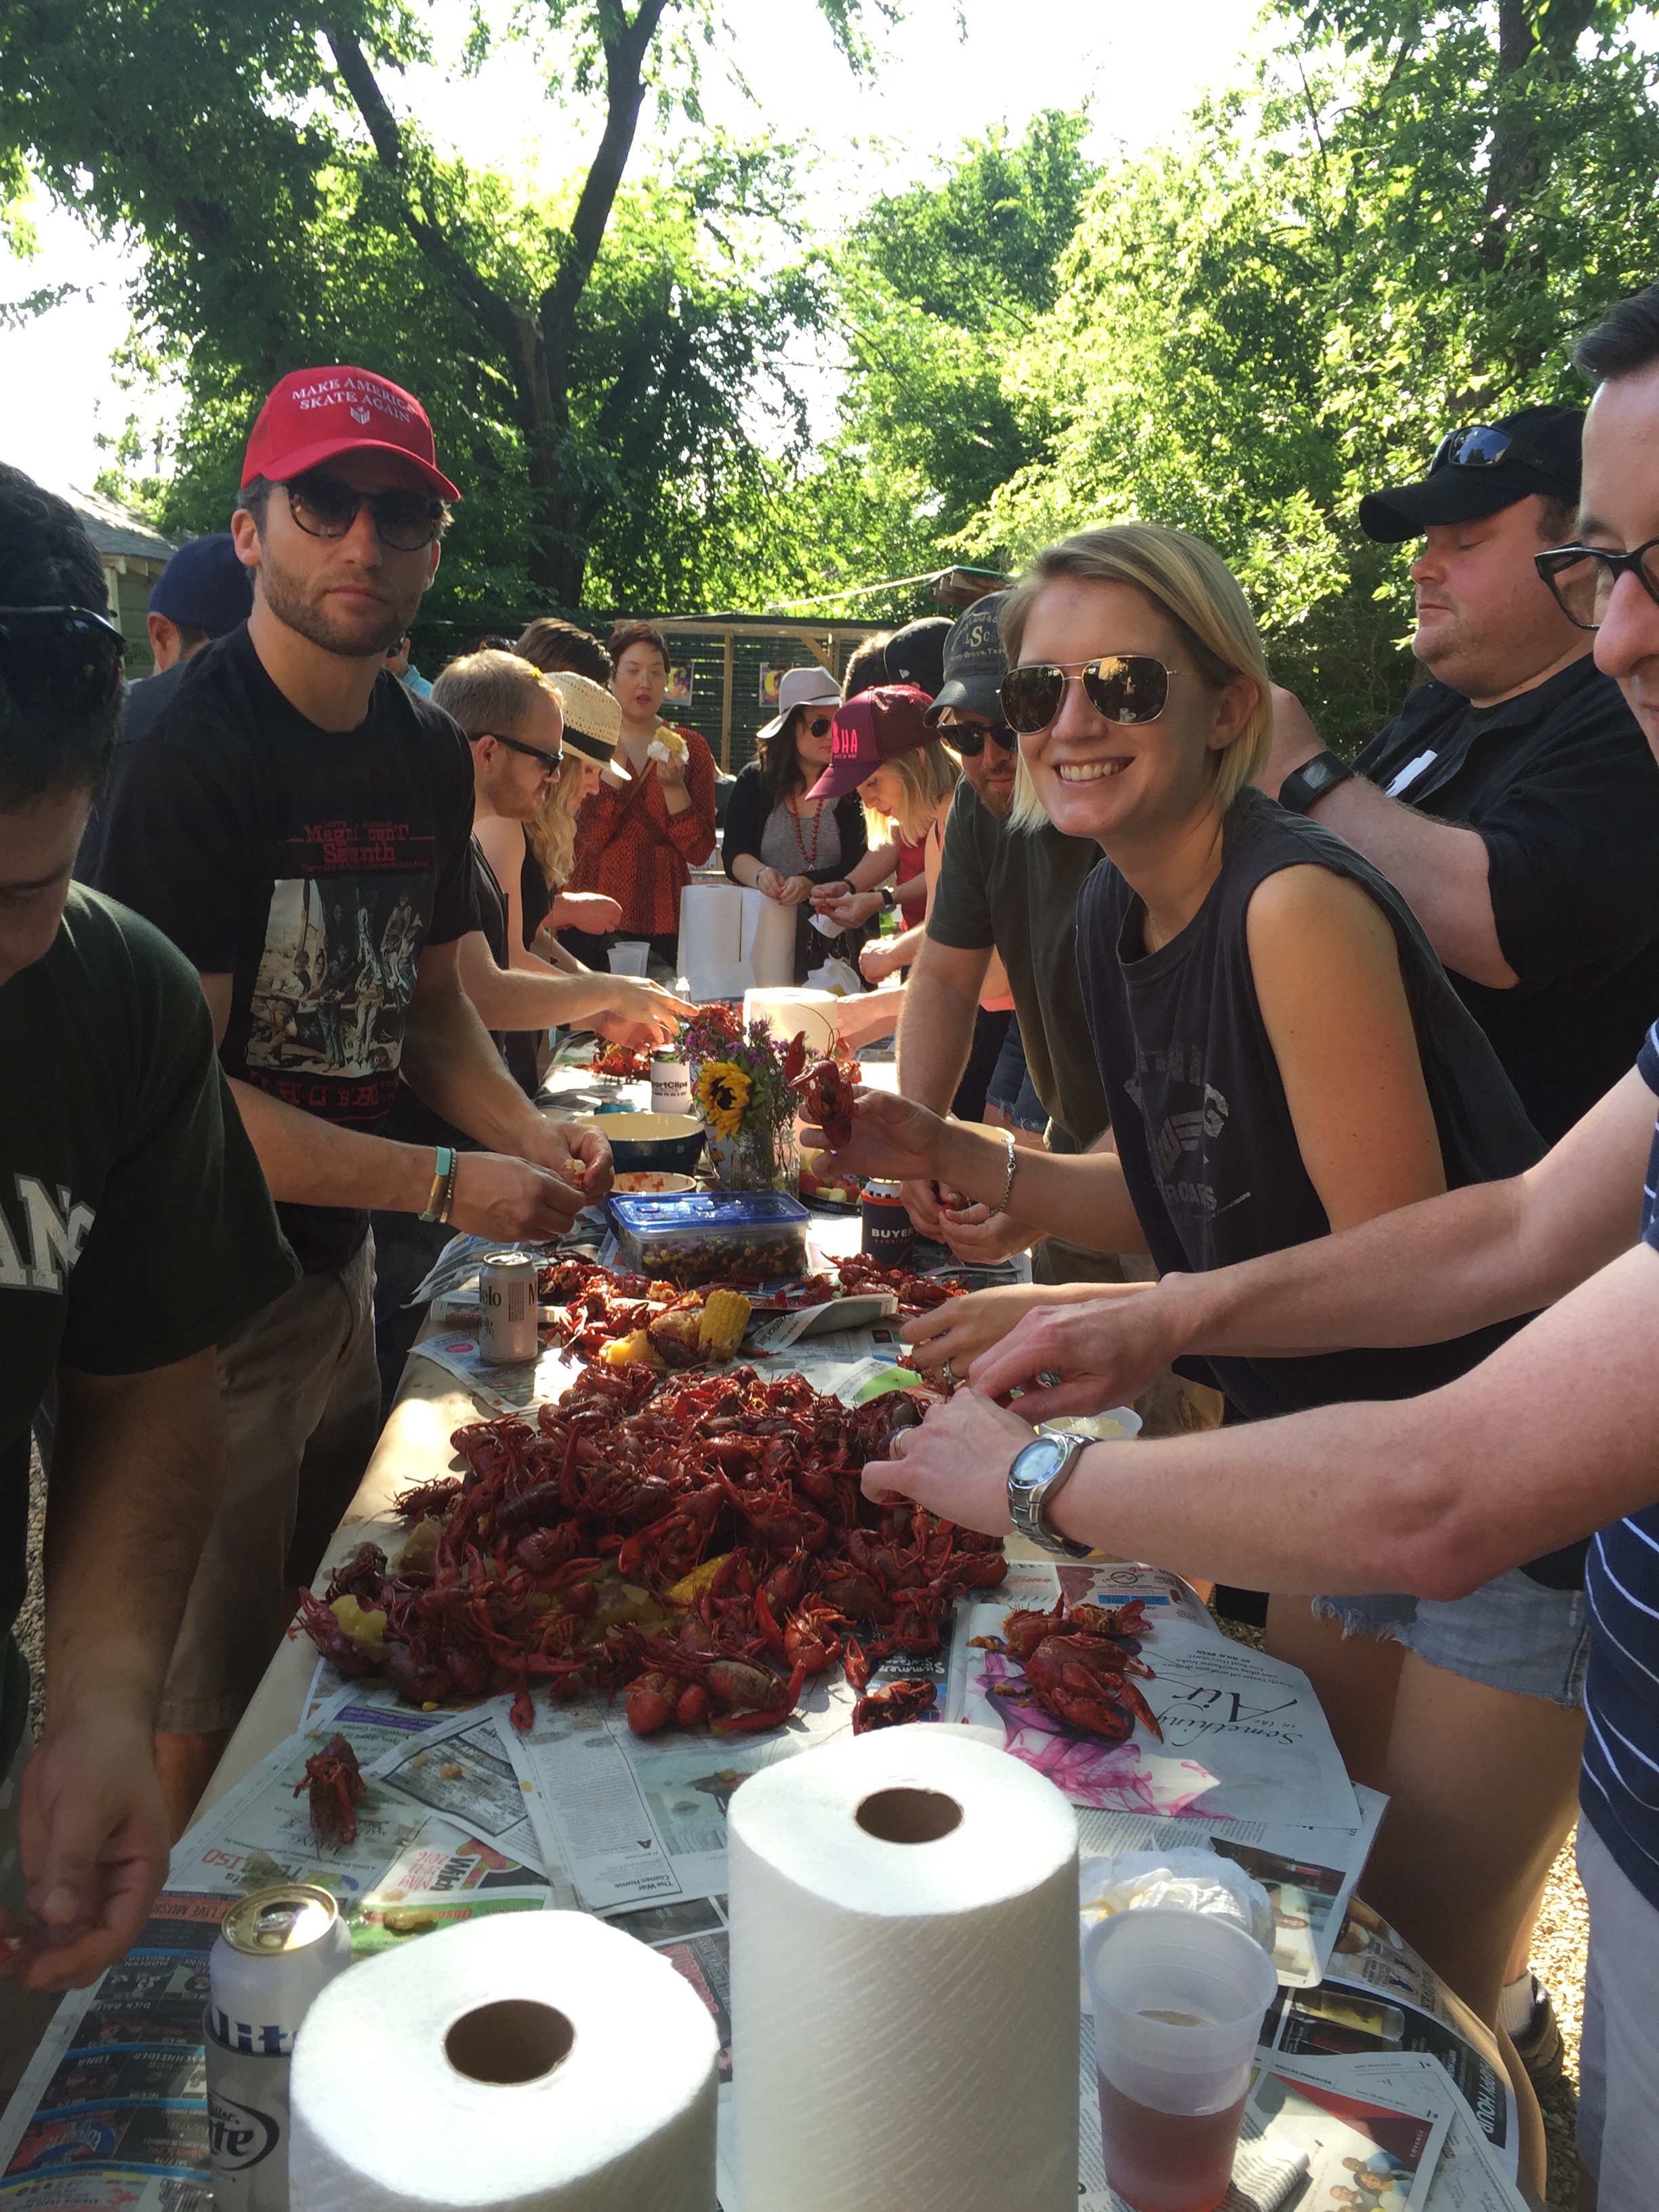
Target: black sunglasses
551	762
324	506
819	727
1481	446
1124	687
1582	578
66	658
967	739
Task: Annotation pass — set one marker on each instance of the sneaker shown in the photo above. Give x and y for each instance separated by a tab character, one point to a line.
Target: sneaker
1540	2048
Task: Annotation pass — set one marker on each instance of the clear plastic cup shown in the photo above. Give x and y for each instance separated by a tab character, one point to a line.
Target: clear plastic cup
628	958
1178	2000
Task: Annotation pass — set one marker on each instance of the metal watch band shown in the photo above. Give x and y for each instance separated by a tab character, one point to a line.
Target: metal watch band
1305	786
1027	1508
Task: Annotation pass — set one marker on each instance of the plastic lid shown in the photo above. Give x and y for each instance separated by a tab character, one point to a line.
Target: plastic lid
708	1210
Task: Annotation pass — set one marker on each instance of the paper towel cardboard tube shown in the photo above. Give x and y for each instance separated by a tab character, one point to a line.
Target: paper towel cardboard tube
516	2039
904	1988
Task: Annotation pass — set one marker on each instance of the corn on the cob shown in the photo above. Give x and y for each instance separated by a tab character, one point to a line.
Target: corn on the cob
725	1317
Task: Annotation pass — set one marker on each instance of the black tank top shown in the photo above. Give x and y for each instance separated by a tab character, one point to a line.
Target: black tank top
1204	1130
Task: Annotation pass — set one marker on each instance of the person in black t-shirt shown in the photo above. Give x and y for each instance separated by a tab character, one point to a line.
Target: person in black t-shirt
1512	799
1283	1056
135	1228
299	824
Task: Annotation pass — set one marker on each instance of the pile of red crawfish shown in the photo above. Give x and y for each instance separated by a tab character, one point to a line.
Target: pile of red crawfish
700	1545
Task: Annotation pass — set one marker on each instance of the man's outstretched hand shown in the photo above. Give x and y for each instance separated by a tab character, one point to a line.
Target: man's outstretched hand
94	1831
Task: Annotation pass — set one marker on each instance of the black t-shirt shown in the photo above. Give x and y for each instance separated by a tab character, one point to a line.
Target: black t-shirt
1017	891
1204	1130
140	711
1560	787
135	1224
310	865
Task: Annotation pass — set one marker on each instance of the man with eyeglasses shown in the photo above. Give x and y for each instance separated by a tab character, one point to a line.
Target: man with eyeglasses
299	824
134	1230
1512	799
1550	1436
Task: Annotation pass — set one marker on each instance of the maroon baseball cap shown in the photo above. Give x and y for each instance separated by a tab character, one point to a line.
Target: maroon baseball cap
869	730
313	414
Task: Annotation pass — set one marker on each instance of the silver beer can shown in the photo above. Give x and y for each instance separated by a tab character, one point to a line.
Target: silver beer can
506	1309
275	1950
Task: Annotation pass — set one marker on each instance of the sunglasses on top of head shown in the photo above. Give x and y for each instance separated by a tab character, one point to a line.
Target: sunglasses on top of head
551	763
1123	687
325	506
65	658
967	739
1481	446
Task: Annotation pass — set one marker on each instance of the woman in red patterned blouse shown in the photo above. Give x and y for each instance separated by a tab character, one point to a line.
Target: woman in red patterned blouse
651	820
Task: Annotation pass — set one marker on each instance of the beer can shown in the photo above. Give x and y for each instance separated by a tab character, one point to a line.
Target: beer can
890	1235
670	1084
275	1951
506	1309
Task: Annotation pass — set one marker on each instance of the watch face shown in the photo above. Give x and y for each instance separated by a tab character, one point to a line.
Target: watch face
1036	1462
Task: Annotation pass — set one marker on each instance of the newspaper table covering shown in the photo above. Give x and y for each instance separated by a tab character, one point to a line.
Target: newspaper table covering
463	1814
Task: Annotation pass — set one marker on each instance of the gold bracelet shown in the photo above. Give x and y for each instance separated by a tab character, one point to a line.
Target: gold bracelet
1008	1136
449	1188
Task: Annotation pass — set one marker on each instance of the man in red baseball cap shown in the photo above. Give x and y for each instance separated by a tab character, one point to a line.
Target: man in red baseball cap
300	823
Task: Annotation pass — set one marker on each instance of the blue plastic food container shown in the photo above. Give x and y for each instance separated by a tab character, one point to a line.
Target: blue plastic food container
706	1236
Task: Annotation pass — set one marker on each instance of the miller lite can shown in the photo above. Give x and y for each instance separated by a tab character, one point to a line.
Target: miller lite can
506	1309
275	1950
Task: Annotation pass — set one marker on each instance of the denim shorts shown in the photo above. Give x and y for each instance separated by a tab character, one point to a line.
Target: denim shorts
1511	1633
1011	1087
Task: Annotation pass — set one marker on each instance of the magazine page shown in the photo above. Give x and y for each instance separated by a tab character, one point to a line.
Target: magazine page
1366	2147
1470	2176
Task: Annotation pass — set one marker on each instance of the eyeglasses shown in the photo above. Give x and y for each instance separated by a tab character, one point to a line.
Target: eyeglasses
551	763
968	738
324	506
65	658
1582	577
1124	687
1481	446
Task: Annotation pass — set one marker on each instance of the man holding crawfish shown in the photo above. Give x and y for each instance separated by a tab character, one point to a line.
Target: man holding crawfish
294	802
134	1230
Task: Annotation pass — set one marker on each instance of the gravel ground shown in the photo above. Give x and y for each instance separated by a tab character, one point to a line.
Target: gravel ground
1558	1948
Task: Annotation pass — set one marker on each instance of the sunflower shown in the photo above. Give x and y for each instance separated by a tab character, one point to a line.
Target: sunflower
722	1095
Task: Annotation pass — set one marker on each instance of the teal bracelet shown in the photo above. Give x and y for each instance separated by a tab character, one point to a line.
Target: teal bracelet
445	1169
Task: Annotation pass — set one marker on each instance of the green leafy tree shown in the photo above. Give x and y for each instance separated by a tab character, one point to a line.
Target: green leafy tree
1402	226
597	360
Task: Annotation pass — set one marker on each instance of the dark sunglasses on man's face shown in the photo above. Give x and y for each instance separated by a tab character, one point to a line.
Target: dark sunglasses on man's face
967	739
1124	687
1481	446
64	658
551	763
1582	578
324	506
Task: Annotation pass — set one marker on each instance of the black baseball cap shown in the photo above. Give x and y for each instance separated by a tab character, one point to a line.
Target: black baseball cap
205	586
915	654
1481	469
975	663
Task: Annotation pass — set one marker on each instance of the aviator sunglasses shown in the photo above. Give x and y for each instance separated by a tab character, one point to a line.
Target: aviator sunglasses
324	506
1124	687
1582	577
64	658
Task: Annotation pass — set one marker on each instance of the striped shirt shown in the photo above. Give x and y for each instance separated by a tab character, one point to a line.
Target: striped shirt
1619	1794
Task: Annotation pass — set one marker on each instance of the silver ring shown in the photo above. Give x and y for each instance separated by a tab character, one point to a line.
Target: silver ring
950	1373
896	1448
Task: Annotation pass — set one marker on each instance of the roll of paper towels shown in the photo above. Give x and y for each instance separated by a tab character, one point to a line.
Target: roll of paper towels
545	2063
791	1010
904	2008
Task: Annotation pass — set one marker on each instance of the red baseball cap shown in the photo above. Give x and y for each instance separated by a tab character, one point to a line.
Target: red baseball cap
869	730
313	414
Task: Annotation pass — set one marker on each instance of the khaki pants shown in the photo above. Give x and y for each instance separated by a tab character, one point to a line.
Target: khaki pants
302	1400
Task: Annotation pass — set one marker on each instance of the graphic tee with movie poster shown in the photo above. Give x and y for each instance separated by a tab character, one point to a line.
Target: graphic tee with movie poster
312	866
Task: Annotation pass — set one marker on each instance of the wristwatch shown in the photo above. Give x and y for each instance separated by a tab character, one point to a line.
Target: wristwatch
1306	785
1037	1473
889	899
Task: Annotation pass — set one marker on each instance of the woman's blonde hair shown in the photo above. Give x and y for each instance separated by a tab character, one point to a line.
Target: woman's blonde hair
1201	595
929	774
552	829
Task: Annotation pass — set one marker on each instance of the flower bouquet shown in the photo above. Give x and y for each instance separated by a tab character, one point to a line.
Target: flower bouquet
739	1088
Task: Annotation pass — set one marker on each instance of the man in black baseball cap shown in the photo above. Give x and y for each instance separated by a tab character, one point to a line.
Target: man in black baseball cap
1513	800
